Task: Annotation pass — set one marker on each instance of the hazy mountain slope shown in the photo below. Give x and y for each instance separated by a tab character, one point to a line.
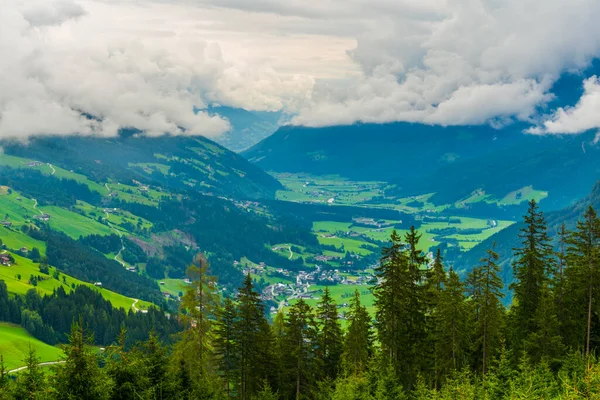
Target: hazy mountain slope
450	161
247	127
374	151
172	162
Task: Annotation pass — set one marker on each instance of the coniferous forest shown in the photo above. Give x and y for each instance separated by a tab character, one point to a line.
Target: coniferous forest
433	335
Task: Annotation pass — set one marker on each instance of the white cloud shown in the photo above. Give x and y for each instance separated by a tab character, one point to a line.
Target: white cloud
127	65
585	115
483	60
148	64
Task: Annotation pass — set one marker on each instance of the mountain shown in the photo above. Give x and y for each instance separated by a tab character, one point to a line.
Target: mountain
178	163
247	127
449	161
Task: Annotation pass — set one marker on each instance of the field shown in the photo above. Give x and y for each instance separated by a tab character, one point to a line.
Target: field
14	346
18	282
307	188
74	224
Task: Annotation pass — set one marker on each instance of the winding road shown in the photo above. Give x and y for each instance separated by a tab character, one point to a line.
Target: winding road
39	365
35	204
135	301
52	168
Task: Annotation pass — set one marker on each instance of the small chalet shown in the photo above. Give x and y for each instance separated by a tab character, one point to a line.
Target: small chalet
99	284
5	259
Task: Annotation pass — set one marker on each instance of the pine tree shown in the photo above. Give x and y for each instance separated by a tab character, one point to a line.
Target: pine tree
434	287
127	372
225	344
489	310
531	268
31	382
80	376
544	344
155	359
330	336
253	341
451	330
358	342
198	306
583	275
400	306
300	347
558	277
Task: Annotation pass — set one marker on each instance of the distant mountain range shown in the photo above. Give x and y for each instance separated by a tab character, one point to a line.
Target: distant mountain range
450	161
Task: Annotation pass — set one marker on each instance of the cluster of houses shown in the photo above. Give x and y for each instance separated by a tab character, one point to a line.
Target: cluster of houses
42	217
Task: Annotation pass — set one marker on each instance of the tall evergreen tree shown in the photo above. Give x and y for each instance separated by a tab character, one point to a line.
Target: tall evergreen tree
558	277
127	372
544	344
225	345
583	275
358	343
330	335
400	306
532	266
451	330
434	287
199	306
155	359
300	351
489	311
253	341
80	376
31	383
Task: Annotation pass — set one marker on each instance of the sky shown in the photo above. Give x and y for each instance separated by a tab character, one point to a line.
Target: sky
92	67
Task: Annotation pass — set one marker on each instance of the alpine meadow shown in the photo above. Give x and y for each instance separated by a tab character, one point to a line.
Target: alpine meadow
299	200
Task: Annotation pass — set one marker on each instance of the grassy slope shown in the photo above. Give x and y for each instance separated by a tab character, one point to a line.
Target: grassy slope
14	346
48	284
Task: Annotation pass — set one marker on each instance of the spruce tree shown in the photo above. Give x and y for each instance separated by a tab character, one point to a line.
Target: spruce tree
31	382
225	345
400	306
489	311
434	287
155	359
299	351
80	376
358	342
199	306
531	268
544	344
558	277
252	341
330	336
451	329
127	372
583	274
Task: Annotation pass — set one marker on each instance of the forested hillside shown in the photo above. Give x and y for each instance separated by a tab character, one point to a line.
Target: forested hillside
176	163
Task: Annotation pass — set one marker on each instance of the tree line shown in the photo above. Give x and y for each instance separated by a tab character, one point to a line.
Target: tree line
432	335
49	318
